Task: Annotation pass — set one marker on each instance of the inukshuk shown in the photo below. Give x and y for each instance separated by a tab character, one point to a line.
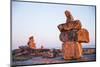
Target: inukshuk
31	43
72	35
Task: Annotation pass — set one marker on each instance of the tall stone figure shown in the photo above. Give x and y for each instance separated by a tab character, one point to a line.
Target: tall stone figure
72	35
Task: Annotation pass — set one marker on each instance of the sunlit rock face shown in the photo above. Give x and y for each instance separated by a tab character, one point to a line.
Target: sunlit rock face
70	25
72	50
72	35
31	43
83	36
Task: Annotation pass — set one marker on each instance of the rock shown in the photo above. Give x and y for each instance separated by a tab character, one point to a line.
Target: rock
48	55
68	36
23	47
83	36
31	43
72	50
63	36
88	51
78	50
76	24
68	16
72	35
70	25
61	27
25	52
15	51
18	54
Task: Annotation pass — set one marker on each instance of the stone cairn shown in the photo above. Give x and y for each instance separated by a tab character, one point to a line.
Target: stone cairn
31	43
72	35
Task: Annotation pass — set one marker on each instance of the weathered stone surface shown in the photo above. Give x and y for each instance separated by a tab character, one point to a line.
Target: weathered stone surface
61	27
68	16
72	50
76	24
78	50
70	25
83	36
68	36
31	43
63	36
72	35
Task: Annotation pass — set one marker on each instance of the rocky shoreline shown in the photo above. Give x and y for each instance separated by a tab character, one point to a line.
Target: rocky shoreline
25	53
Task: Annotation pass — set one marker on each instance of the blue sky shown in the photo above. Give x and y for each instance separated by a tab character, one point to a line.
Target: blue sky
41	20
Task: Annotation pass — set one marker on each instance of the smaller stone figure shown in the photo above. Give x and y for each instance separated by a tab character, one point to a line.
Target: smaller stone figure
31	43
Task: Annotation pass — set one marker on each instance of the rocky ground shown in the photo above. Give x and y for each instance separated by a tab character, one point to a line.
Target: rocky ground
41	60
48	58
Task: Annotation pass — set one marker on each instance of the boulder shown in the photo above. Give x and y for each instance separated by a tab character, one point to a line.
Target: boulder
68	16
68	36
78	51
70	25
72	35
61	27
72	50
76	24
83	36
63	36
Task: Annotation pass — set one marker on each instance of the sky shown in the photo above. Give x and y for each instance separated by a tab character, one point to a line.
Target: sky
41	20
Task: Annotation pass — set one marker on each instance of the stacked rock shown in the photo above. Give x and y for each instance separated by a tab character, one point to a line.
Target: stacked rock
31	43
72	35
